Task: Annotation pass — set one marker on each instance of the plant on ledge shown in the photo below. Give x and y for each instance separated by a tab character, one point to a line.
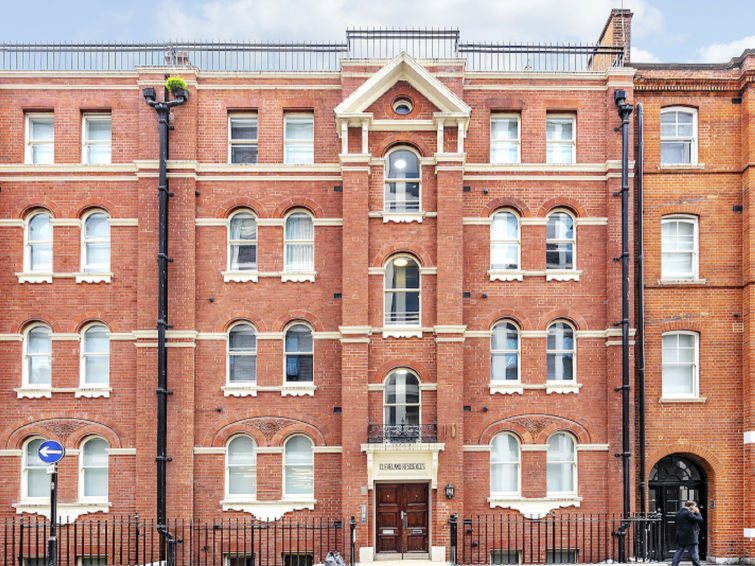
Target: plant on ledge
177	86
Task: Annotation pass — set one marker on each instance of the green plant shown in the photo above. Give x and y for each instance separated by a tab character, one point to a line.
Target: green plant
175	83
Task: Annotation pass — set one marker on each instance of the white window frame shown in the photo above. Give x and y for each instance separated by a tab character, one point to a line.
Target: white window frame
297	496
28	154
227	468
518	463
84	355
287	142
575	468
24	473
28	243
687	219
573	380
242	141
693	140
228	354
518	353
418	290
517	241
518	140
572	241
562	117
82	470
298	275
300	353
86	142
85	242
419	391
387	180
695	394
242	242
27	355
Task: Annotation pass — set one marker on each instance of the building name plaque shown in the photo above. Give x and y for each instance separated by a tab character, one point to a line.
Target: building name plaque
402	466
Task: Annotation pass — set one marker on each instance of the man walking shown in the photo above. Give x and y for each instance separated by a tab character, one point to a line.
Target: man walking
688	521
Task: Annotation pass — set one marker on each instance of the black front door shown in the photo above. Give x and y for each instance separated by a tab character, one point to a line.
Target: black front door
674	480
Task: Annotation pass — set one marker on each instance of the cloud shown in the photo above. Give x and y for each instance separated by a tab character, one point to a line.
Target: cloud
722	52
643	56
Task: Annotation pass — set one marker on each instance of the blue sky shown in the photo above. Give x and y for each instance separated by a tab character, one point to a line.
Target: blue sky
667	30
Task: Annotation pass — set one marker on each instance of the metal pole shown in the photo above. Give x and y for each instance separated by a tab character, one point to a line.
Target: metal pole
641	305
52	542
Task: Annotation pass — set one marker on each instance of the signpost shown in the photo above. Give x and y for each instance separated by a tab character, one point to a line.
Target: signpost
51	453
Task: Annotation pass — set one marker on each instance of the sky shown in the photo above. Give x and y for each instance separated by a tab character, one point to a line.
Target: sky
689	31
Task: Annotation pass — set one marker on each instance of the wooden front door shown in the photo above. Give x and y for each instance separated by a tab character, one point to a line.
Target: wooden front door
402	517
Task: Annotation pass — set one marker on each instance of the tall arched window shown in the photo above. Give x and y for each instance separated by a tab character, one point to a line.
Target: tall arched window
504	241
402	292
34	480
242	242
561	352
560	241
402	181
299	243
504	352
298	467
241	468
401	406
562	464
95	356
504	465
38	252
93	478
95	243
242	354
37	357
299	353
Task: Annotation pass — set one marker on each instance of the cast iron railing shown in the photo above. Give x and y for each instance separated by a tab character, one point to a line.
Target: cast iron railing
378	434
566	538
132	540
225	56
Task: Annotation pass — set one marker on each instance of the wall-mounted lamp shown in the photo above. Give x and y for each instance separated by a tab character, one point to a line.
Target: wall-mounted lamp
450	491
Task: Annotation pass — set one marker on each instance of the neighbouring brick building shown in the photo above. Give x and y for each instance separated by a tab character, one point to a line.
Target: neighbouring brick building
392	291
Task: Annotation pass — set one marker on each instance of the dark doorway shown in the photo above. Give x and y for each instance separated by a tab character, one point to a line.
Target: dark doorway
402	518
674	480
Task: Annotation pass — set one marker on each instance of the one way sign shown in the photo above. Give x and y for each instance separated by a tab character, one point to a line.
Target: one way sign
51	452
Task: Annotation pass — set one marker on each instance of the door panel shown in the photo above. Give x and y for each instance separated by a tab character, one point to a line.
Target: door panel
402	517
415	507
388	517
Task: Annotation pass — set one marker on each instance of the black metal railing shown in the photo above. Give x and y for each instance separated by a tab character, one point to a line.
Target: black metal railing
381	433
224	56
564	538
131	540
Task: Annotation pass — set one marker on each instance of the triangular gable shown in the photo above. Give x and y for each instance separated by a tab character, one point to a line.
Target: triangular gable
403	67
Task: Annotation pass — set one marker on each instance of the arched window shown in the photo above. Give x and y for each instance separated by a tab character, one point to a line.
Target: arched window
298	467
299	243
504	352
562	464
561	352
34	479
95	243
95	356
680	363
241	467
560	241
504	240
402	292
679	247
93	478
242	354
678	135
242	242
402	181
401	405
38	252
299	353
37	357
504	465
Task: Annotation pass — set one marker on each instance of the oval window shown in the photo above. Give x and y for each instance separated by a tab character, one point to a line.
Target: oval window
402	106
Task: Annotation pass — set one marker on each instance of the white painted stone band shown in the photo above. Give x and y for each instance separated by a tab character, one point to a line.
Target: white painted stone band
749	533
750	437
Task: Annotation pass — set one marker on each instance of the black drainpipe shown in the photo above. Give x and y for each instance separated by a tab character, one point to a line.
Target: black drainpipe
640	349
624	111
167	539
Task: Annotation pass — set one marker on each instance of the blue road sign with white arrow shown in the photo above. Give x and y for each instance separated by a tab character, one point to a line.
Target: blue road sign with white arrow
51	452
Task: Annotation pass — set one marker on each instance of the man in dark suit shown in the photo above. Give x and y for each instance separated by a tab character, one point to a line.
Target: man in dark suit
688	521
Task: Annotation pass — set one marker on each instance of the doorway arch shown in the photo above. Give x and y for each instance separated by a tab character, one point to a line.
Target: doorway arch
673	480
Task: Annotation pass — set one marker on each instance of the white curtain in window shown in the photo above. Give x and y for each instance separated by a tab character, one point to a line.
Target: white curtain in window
504	241
299	466
242	354
96	355
98	144
37	480
95	468
560	349
42	139
300	244
679	359
97	243
242	466
39	356
504	464
243	242
39	240
504	352
561	458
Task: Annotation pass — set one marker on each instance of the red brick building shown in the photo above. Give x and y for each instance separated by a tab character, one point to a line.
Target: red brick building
392	291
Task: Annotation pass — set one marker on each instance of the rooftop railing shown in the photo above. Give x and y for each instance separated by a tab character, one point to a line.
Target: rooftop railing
240	56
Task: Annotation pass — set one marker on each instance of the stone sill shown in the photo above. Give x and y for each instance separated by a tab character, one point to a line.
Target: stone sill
506	274
94	277
268	510
682	166
67	512
565	388
402	332
240	276
682	399
562	274
507	389
682	281
299	277
405	217
251	389
34	277
46	392
535	507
